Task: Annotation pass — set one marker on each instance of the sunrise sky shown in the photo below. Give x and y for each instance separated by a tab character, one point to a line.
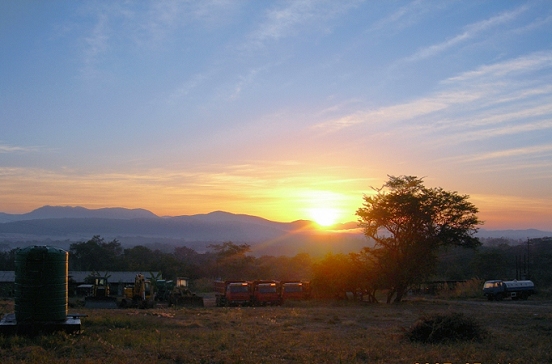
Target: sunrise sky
281	109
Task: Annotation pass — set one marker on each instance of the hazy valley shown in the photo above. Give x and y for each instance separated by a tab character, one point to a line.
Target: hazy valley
63	225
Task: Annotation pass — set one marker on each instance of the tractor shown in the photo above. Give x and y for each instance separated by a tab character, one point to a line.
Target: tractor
180	295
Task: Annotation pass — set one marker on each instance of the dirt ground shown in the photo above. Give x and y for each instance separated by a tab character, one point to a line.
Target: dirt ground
297	332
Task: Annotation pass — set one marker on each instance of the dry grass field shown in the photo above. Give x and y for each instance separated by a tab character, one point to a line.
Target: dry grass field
297	332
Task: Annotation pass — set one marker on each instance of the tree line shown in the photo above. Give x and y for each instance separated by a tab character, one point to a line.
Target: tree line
419	234
331	275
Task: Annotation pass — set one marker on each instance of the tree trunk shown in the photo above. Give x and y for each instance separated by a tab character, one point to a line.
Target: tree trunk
390	295
400	294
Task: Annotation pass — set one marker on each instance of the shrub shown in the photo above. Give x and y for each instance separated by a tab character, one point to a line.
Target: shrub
468	289
449	327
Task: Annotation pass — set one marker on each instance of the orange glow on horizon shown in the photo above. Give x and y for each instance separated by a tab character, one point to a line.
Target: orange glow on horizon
324	216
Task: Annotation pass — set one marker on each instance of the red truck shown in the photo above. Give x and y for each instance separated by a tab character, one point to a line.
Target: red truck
265	293
295	290
232	293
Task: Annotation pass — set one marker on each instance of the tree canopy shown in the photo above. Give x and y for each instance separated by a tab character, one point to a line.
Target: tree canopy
409	223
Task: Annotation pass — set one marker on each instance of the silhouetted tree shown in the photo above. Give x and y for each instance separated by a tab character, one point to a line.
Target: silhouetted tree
95	254
232	261
408	223
333	275
7	259
496	262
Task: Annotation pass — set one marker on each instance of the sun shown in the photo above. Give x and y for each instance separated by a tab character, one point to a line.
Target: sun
324	216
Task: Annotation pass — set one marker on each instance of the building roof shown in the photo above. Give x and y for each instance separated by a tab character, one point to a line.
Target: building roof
7	276
112	277
79	276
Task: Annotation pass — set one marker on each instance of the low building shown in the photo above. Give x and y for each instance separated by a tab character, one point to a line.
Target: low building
78	282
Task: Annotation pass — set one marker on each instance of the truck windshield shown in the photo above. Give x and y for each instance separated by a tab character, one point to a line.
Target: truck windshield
267	288
239	289
292	288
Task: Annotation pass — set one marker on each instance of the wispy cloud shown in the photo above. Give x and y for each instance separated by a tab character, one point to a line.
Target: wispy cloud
7	148
407	15
490	95
189	86
534	161
470	31
523	64
163	18
502	130
118	26
286	20
95	45
400	112
513	152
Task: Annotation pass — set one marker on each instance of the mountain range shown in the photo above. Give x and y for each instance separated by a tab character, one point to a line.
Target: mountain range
66	224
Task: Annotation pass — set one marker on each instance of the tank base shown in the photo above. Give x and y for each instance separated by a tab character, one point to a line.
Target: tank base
9	325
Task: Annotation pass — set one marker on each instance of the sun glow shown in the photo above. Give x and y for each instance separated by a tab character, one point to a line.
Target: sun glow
323	207
324	216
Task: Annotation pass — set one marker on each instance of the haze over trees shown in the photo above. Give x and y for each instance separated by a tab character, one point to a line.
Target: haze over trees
331	275
417	234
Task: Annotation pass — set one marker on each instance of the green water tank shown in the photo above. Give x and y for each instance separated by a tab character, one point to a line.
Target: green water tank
41	284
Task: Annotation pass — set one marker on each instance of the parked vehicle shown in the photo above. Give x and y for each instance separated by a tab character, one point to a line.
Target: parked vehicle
141	294
233	293
181	295
498	289
295	290
266	293
100	297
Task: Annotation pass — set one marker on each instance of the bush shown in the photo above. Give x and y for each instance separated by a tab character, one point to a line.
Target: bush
468	289
449	327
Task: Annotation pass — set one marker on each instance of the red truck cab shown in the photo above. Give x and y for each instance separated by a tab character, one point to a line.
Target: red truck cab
266	293
295	290
233	293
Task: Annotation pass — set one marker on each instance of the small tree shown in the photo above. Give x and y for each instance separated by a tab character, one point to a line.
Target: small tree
333	275
408	223
232	261
95	254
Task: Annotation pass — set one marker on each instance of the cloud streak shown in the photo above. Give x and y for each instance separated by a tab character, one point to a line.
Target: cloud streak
406	16
487	93
470	31
521	65
288	20
7	148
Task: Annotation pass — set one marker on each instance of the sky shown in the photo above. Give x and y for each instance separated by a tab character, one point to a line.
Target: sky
281	109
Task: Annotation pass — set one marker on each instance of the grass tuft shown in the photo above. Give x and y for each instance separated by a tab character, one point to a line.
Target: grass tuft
451	327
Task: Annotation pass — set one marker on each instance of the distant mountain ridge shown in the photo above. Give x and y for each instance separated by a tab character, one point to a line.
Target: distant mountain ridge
67	223
62	212
64	224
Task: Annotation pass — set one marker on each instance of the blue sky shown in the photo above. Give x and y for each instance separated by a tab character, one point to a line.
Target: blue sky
275	108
